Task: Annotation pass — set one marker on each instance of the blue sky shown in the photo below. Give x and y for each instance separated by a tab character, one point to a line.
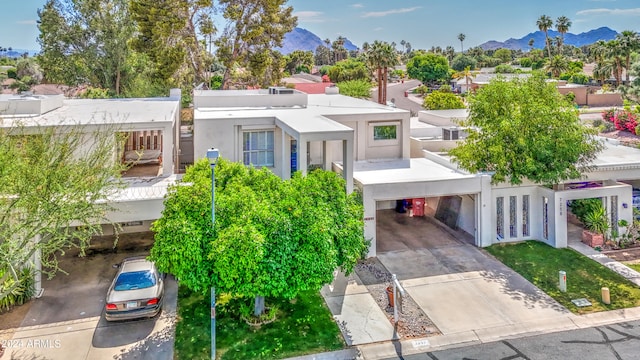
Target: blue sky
423	23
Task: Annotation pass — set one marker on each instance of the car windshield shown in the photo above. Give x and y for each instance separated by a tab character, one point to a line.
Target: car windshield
135	280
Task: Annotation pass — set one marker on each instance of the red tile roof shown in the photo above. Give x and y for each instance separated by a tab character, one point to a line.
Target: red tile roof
313	88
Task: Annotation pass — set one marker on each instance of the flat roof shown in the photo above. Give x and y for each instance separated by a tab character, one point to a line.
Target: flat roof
403	171
615	154
314	118
102	111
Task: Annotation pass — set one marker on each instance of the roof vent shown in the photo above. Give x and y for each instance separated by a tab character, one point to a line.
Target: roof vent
277	90
332	90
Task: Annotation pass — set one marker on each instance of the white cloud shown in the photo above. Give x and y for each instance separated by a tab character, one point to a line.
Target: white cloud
309	16
357	6
378	29
605	11
26	22
390	12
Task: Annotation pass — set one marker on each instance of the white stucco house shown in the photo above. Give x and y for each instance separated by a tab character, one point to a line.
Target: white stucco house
379	150
389	157
153	134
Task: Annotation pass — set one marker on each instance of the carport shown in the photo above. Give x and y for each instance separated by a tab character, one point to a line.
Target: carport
383	183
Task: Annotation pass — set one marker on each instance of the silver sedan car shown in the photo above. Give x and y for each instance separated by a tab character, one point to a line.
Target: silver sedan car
136	291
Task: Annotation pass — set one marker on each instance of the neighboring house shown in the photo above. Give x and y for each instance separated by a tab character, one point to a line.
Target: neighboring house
506	213
152	129
379	151
371	145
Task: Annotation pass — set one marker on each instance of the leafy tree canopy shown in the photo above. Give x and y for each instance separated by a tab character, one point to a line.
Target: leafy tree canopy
428	68
271	237
349	69
50	179
461	62
525	129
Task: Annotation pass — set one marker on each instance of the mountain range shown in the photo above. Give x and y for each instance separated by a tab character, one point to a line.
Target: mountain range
585	38
303	39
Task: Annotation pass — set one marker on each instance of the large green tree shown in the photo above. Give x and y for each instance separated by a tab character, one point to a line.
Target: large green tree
85	42
51	179
168	31
299	61
271	237
253	28
525	129
428	68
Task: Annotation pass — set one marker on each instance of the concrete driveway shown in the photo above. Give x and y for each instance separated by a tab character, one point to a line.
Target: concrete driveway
460	287
67	322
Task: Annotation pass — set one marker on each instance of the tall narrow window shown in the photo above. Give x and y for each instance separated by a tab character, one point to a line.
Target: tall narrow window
257	148
500	217
513	226
525	215
545	218
614	214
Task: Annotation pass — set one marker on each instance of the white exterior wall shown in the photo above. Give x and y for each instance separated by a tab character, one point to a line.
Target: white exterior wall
226	135
556	210
467	218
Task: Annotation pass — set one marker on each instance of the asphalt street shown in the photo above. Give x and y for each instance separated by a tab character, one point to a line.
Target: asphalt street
618	341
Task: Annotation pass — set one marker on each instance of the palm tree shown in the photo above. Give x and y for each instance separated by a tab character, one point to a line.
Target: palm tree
531	42
381	56
449	52
544	24
557	65
461	37
629	42
562	24
407	46
615	52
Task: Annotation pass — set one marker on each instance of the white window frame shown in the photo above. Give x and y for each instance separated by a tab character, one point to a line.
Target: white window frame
261	153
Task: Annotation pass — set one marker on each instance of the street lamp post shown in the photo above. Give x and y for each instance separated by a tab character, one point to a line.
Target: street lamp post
212	155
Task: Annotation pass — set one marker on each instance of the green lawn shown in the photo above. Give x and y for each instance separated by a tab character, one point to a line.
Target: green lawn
635	266
540	264
303	326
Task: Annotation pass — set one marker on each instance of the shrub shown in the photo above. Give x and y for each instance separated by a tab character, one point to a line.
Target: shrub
21	293
582	207
504	69
579	78
442	100
570	96
526	62
355	88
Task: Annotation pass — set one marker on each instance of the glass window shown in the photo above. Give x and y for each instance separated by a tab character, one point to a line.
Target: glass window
258	148
500	217
384	132
525	215
513	227
545	218
135	280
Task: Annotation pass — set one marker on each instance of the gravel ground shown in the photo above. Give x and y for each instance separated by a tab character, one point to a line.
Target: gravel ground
625	137
413	323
